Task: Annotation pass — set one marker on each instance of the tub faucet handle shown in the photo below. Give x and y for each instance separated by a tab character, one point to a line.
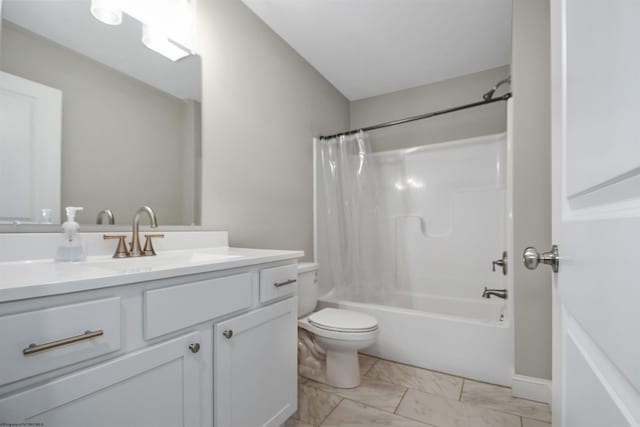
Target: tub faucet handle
502	262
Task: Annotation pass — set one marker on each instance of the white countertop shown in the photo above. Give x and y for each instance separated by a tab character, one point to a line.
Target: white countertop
38	278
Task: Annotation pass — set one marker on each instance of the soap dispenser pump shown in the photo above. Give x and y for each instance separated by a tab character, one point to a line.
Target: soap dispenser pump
71	248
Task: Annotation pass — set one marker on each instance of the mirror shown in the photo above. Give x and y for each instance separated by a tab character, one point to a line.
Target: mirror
97	115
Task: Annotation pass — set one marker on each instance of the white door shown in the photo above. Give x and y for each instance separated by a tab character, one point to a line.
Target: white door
158	386
596	212
30	150
255	367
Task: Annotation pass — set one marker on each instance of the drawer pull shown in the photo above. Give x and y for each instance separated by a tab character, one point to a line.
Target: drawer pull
285	283
228	334
37	348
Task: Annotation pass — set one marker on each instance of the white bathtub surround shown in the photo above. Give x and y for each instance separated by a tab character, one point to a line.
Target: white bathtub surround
443	208
471	347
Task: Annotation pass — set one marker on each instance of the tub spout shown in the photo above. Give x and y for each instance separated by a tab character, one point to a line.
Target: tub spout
500	293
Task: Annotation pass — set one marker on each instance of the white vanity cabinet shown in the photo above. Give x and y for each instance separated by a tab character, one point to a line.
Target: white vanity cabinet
199	350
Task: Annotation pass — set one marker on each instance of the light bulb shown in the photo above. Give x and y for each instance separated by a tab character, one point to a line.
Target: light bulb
106	11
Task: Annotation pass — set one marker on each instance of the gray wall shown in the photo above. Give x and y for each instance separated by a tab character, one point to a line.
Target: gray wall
532	184
262	105
122	140
436	96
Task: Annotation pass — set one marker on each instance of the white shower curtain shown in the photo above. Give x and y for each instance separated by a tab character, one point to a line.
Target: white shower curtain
350	224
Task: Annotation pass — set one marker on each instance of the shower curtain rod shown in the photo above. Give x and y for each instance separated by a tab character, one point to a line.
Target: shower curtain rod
504	97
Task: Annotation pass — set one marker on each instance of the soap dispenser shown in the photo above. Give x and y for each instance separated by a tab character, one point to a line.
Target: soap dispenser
71	249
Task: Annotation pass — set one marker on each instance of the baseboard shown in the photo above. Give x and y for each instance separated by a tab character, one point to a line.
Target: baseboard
531	388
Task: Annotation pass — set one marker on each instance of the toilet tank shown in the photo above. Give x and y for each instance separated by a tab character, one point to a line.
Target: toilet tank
307	287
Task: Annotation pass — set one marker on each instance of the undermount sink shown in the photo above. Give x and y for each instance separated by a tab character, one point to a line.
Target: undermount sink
21	273
164	260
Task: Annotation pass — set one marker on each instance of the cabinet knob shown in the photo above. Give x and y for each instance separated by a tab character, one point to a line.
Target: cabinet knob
228	333
195	347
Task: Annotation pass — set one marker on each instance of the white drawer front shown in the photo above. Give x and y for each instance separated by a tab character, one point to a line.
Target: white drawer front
278	282
176	307
52	325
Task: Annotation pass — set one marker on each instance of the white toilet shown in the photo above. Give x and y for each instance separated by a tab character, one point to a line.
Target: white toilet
329	339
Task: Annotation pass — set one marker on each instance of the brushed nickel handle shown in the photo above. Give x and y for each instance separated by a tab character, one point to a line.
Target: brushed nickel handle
228	333
195	347
285	283
148	244
38	348
121	250
502	262
532	258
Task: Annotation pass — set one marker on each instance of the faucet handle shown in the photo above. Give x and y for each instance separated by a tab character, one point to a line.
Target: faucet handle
121	249
502	262
148	244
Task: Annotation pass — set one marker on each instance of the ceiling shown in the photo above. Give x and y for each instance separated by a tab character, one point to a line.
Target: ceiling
371	47
70	23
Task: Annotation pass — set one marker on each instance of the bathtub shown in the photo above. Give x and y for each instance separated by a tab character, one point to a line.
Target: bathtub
471	338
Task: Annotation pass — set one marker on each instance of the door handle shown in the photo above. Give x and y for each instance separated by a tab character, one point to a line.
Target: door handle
532	258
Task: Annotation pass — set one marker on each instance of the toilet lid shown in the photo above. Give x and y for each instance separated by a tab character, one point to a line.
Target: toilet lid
338	320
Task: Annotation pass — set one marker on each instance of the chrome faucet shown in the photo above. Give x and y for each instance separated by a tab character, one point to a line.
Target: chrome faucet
108	213
135	249
500	293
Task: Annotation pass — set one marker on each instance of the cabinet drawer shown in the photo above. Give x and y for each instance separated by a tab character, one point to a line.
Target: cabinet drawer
176	307
60	335
158	386
278	282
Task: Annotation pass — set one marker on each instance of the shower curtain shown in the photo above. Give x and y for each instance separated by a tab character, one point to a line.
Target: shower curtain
352	217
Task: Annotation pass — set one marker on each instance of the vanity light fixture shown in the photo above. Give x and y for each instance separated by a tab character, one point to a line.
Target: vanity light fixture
107	11
158	41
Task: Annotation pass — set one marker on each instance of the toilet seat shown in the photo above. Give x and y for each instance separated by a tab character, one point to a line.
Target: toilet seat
346	321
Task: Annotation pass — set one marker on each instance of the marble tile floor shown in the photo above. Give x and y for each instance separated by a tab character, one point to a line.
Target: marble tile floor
397	395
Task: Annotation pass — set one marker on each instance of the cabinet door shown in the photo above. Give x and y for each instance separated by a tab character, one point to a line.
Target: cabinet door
255	367
157	386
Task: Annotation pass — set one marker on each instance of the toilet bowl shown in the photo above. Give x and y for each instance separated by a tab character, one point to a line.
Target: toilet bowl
329	339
